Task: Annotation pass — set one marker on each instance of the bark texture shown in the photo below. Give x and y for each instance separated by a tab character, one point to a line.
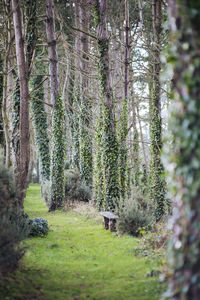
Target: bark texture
24	99
184	17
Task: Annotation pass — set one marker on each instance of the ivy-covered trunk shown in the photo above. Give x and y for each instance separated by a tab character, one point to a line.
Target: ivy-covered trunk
184	17
58	147
123	125
99	174
86	103
157	181
109	140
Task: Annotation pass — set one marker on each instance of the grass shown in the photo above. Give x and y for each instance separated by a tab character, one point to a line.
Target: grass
79	260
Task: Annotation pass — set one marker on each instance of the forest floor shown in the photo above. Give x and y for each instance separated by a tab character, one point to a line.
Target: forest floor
78	259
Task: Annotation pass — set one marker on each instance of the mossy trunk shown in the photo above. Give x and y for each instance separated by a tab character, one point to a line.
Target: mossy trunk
109	139
86	166
184	17
157	180
58	146
99	170
40	124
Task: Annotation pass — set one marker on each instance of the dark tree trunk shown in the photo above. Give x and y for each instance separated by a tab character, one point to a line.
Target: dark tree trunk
184	17
24	99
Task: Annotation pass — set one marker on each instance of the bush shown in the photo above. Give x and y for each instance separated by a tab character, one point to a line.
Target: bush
134	214
75	188
14	224
38	227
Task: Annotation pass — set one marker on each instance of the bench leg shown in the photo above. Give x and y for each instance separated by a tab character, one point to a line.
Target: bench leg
106	223
112	225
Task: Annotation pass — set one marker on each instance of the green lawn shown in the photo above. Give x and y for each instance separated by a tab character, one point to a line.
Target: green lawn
79	260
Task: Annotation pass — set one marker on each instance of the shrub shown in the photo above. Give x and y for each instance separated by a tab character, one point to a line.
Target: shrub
134	213
14	224
153	245
75	188
38	227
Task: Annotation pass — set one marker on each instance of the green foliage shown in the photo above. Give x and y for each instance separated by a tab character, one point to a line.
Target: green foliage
58	155
38	227
40	125
154	242
135	213
14	225
75	187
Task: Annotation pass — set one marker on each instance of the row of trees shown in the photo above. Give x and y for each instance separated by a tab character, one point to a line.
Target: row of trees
95	105
106	109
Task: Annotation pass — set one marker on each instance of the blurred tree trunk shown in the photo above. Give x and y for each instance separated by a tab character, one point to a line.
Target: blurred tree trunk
24	99
184	18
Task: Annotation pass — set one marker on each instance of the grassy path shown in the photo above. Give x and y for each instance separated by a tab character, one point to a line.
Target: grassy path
79	260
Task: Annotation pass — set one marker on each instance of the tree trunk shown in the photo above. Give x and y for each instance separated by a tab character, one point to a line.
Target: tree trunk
24	99
157	183
184	18
86	103
110	144
58	149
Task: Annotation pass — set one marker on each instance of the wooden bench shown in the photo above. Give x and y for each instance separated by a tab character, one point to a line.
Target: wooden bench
109	220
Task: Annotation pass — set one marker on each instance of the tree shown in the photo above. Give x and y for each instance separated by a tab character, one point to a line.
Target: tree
58	147
86	103
24	100
157	181
109	139
184	18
